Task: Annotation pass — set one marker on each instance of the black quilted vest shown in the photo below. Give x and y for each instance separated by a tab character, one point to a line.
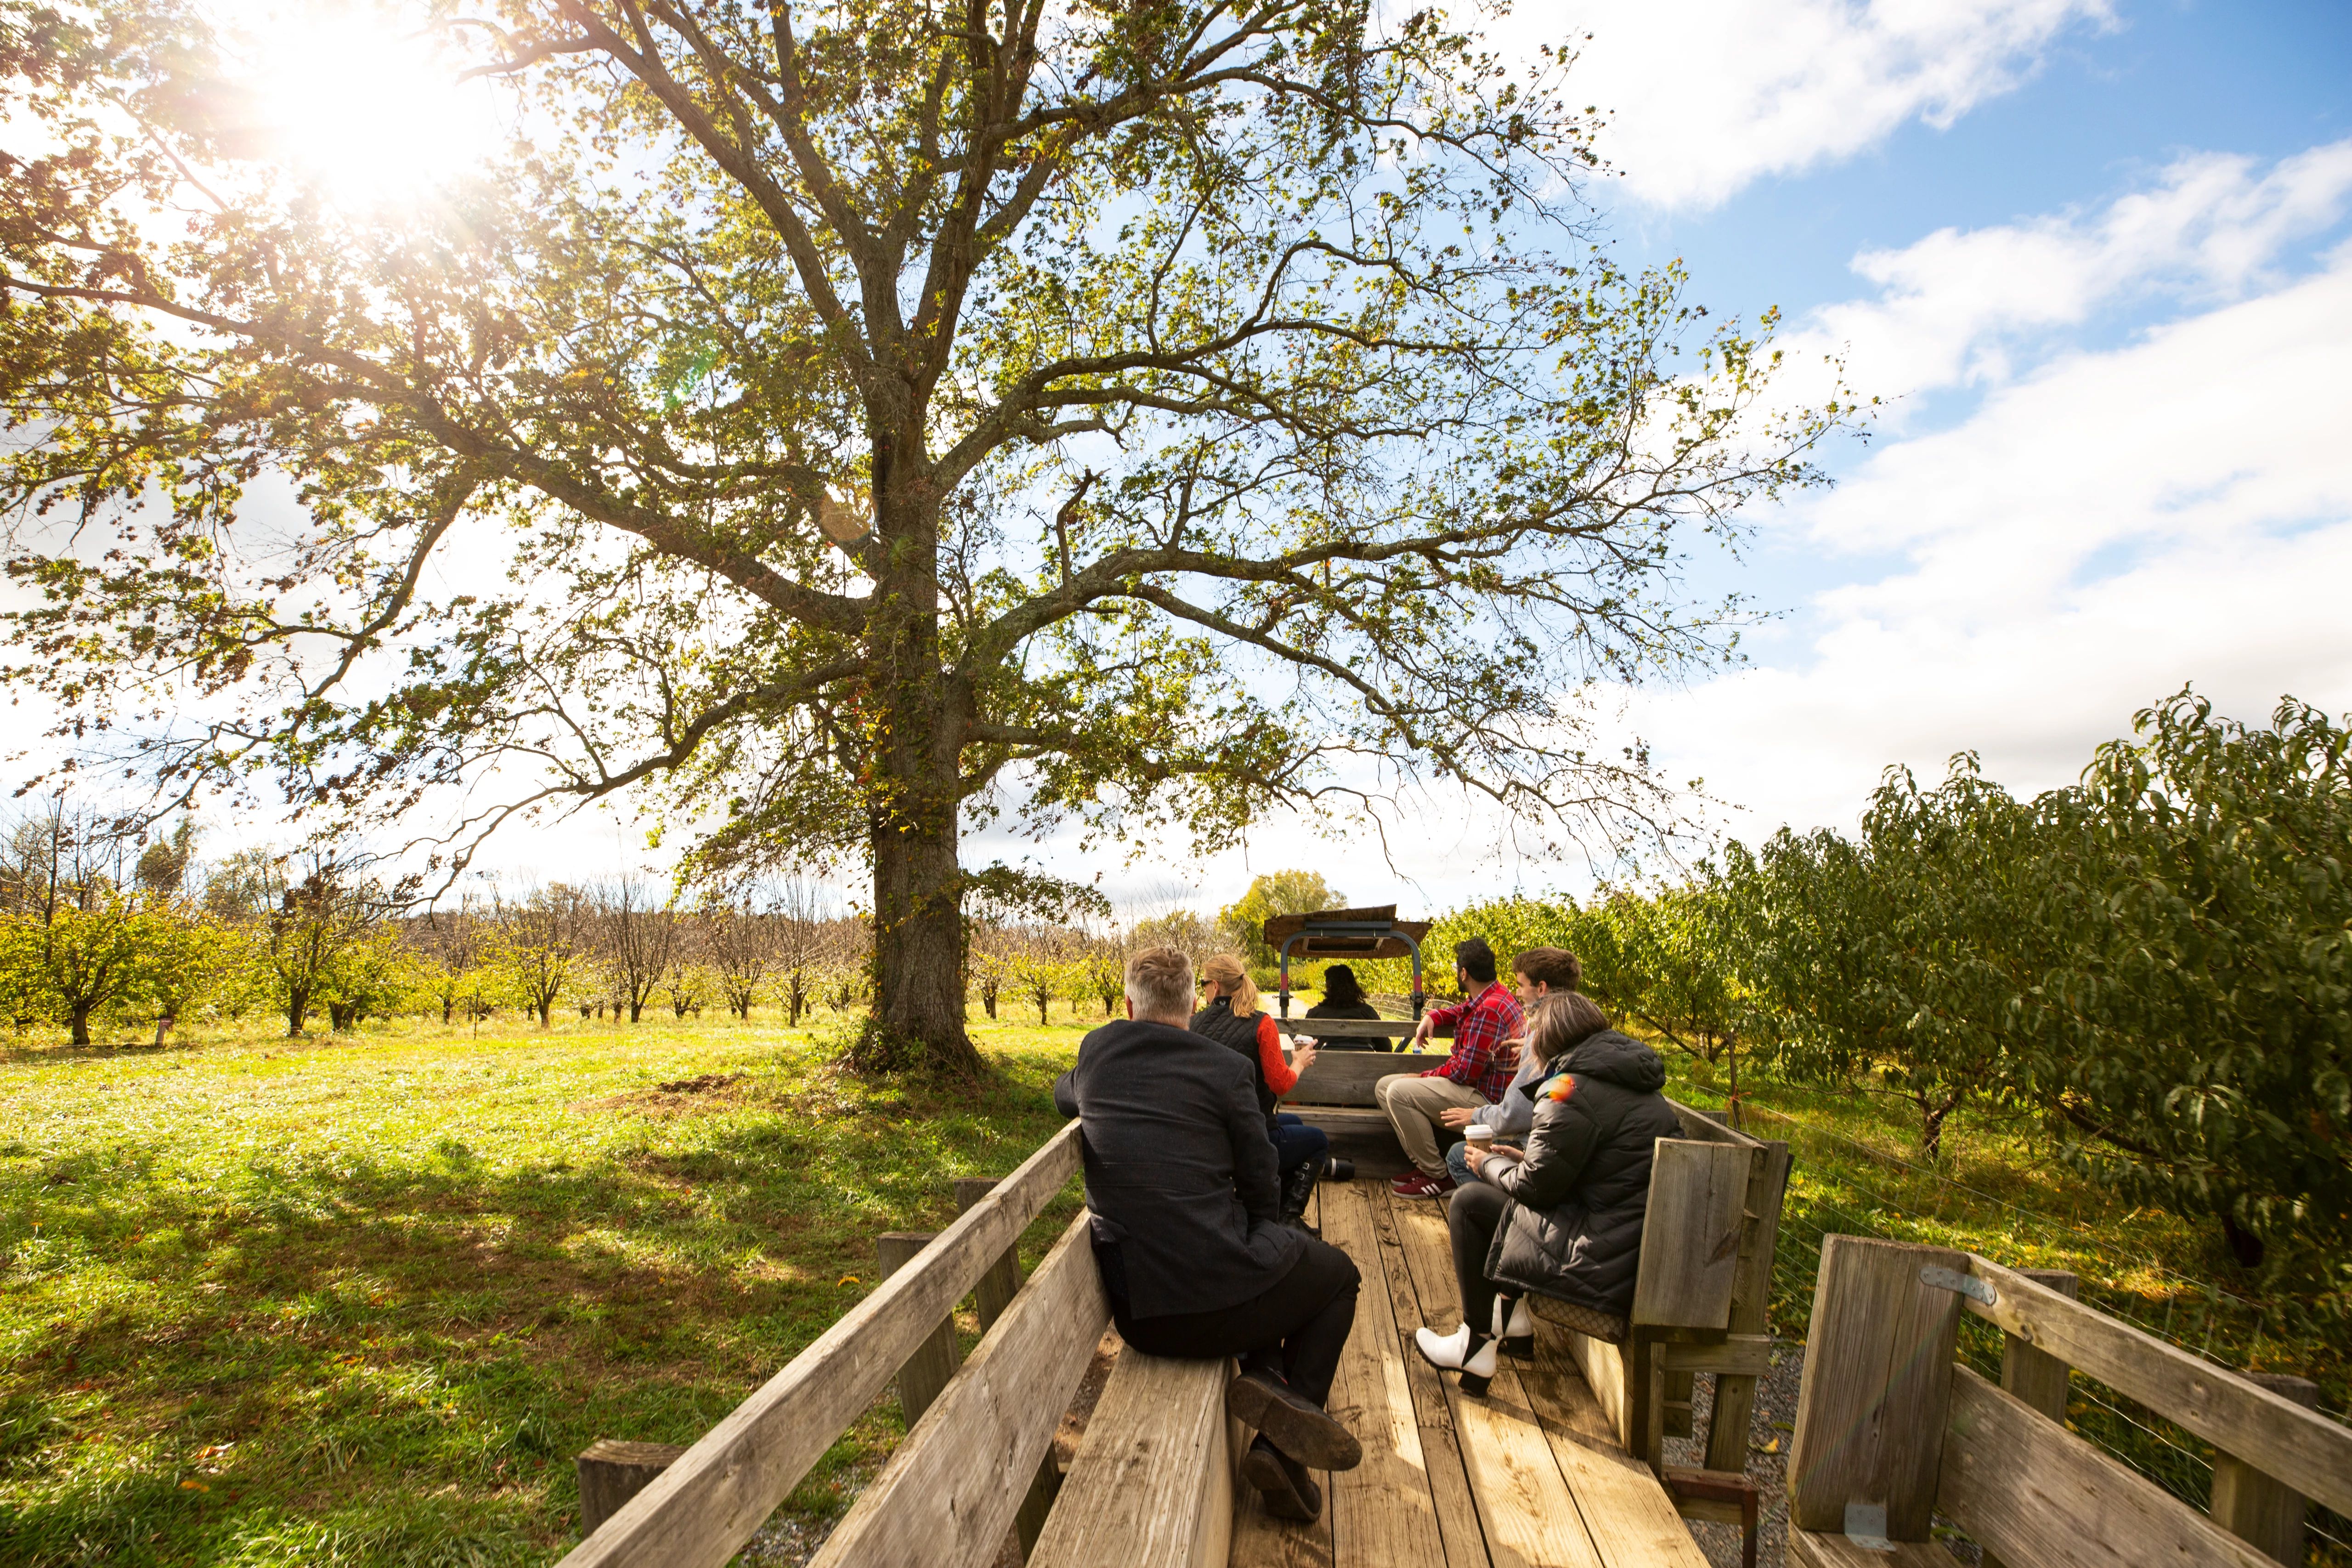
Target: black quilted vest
1217	1022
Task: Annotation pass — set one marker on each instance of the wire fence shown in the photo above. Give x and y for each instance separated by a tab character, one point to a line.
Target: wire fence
1826	1194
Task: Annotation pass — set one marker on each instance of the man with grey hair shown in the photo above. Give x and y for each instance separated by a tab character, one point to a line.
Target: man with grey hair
1183	1205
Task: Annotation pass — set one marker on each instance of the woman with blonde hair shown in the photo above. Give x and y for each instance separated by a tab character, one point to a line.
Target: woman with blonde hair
1234	1018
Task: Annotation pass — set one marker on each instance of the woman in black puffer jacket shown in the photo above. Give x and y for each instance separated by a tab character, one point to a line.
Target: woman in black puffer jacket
1565	1218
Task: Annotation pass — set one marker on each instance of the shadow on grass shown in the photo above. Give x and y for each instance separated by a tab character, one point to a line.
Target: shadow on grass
327	1357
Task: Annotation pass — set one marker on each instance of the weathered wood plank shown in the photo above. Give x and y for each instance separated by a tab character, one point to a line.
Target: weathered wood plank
1870	1413
1349	1029
993	1293
990	1297
1739	1355
613	1471
1808	1550
1449	1480
1690	1234
1524	1503
1631	1518
2300	1448
1144	1490
2034	1492
948	1494
2262	1512
1708	1128
705	1506
1383	1513
1346	1077
1607	1375
1751	1303
932	1363
2036	1379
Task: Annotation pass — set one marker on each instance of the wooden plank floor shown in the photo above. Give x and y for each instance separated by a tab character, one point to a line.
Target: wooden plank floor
1526	1476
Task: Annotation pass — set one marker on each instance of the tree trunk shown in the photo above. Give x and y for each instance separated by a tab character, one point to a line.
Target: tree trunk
546	1008
81	1016
917	952
298	1005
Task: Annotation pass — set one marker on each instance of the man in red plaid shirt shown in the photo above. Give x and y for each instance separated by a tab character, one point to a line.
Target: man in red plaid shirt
1475	1076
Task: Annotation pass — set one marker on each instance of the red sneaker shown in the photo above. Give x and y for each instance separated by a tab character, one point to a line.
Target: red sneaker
1416	1184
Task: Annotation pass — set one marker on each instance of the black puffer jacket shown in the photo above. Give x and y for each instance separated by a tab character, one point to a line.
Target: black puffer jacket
1574	1225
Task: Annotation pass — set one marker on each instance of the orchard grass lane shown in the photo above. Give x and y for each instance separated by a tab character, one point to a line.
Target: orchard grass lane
362	1300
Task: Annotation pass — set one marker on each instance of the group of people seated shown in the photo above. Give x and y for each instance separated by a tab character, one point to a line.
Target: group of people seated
1197	1184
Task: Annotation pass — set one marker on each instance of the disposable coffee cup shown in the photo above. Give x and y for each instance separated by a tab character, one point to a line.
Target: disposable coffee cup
1480	1137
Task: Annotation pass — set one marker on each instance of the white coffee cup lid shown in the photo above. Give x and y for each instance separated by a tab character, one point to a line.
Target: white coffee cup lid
1479	1130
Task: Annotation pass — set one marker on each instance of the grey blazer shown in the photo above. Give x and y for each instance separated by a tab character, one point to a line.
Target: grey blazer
1179	1172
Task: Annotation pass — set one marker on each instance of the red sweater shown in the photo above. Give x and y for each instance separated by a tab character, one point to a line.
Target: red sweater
1279	1077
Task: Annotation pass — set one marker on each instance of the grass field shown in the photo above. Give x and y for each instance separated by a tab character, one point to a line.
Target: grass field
361	1301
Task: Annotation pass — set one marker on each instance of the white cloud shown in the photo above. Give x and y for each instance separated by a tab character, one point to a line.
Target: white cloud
2090	538
1708	95
1954	307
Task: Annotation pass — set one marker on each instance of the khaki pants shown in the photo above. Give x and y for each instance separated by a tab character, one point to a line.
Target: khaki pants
1412	1104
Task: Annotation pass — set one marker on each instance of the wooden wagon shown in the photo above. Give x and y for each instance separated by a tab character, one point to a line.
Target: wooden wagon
1559	1463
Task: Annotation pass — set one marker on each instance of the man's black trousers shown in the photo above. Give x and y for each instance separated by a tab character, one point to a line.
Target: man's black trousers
1297	1328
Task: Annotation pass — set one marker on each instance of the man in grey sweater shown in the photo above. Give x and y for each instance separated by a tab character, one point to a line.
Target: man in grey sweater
1535	975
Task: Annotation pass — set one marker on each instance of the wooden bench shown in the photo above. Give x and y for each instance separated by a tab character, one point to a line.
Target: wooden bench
1152	1483
1707	1304
1700	1297
1892	1432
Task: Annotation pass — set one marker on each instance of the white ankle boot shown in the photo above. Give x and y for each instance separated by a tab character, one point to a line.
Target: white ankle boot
1473	1355
1517	1334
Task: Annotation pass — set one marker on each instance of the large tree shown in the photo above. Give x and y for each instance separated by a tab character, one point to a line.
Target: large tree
838	425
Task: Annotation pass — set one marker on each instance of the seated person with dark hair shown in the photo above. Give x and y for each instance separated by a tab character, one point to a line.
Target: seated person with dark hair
1471	1078
1342	997
1564	1217
1539	972
1180	1189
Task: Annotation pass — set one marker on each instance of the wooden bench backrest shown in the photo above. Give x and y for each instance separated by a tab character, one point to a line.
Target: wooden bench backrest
1888	1422
1690	1234
700	1510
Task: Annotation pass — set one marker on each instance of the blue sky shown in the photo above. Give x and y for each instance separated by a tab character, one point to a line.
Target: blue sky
2101	257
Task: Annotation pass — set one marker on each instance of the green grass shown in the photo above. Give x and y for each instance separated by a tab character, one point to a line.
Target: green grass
362	1300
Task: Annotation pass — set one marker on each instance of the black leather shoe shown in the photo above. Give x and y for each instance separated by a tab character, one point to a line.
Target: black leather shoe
1282	1482
1296	1423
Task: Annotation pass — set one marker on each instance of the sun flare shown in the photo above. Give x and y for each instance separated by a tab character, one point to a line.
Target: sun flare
362	104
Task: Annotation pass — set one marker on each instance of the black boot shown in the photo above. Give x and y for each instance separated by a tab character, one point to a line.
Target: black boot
1289	1491
1298	1191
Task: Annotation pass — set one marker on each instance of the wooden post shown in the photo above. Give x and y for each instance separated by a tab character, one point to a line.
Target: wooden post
2249	1504
991	1296
612	1472
1877	1388
2033	1374
994	1292
925	1372
1752	1304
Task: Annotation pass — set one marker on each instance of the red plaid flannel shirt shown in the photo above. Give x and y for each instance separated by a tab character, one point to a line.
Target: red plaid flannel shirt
1480	1026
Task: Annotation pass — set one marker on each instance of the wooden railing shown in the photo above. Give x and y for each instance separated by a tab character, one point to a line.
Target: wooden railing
705	1505
1891	1431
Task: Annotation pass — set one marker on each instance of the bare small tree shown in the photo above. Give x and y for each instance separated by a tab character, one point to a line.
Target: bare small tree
544	941
805	942
742	945
636	939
